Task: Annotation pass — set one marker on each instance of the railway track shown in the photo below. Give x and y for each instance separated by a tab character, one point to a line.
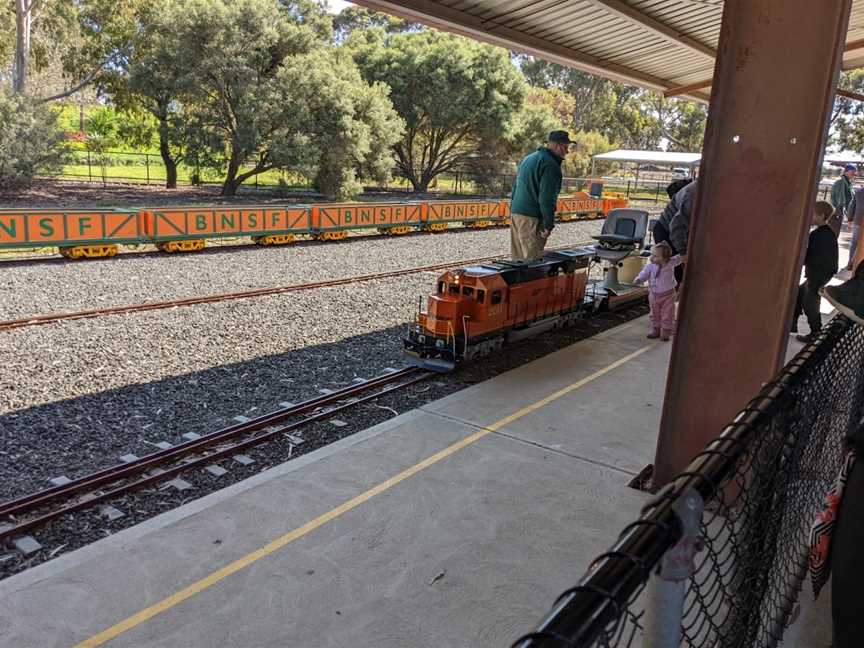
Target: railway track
38	320
36	510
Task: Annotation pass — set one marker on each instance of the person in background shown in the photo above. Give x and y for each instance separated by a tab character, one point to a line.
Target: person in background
842	193
673	226
856	219
660	275
677	185
820	264
535	197
848	297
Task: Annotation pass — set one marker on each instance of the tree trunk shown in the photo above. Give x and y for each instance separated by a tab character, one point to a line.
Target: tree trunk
229	187
420	185
170	173
169	162
23	21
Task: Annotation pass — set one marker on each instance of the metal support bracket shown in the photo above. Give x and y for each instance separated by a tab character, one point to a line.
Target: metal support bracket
678	563
668	588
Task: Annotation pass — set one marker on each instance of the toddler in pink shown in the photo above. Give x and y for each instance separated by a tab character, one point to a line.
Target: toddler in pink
660	275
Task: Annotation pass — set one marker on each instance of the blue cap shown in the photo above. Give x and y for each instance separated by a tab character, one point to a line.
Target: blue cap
851	167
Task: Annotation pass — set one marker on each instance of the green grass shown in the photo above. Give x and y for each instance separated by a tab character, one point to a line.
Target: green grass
128	167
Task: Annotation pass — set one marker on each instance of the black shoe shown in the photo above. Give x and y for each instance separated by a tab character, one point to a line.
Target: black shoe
848	298
807	339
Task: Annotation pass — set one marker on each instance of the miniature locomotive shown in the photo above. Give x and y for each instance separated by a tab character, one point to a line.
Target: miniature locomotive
476	311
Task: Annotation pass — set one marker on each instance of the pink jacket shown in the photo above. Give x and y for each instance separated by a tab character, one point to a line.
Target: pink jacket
661	279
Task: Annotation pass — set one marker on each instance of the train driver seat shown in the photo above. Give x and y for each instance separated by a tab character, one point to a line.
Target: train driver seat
623	235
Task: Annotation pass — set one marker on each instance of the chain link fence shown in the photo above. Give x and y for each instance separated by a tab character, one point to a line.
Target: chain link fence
755	492
149	169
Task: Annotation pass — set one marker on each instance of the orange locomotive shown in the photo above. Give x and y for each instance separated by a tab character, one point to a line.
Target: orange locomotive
477	310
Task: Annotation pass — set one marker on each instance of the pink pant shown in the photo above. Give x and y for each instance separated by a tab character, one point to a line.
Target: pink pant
662	309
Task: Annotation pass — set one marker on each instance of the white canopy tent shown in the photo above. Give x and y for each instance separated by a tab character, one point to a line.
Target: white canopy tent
691	160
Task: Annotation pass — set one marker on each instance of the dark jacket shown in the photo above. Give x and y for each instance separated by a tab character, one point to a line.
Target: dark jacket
676	217
538	183
841	196
856	208
820	264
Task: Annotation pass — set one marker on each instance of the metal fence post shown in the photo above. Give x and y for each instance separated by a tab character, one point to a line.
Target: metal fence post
628	188
89	168
667	588
147	164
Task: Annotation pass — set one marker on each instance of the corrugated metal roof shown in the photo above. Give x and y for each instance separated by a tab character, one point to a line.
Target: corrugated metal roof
658	44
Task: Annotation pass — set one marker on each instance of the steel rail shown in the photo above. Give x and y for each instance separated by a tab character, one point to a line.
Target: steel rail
90	483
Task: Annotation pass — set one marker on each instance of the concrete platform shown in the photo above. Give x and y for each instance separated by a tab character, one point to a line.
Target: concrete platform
453	525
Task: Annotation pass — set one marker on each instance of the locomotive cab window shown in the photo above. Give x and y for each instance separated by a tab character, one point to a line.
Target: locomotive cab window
496	297
481	296
442	287
454	289
467	291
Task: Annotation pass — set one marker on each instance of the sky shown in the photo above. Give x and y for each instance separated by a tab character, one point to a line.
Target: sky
335	6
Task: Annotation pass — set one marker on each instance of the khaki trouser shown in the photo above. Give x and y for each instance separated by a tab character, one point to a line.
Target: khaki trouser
526	244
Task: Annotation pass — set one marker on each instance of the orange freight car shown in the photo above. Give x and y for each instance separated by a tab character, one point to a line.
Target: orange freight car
579	205
78	233
473	213
332	222
185	228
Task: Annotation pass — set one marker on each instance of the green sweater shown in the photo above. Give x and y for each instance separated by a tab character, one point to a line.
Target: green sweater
538	182
841	196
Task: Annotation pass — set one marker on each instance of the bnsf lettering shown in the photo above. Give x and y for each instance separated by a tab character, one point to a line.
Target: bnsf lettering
201	222
83	225
274	219
45	227
253	219
227	220
11	227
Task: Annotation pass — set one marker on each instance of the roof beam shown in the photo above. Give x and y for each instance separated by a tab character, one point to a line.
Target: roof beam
857	96
624	10
443	17
687	89
851	63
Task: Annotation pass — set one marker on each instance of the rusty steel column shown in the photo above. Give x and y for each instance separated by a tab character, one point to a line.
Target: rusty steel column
774	80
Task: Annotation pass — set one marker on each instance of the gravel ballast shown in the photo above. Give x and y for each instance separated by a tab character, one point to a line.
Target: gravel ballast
52	286
75	396
73	531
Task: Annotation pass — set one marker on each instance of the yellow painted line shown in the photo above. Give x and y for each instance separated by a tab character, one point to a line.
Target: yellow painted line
241	563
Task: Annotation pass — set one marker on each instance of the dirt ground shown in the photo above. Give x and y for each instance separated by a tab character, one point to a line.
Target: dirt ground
60	193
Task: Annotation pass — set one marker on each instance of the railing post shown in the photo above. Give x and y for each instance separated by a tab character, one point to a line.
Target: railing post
628	188
89	168
668	587
147	164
